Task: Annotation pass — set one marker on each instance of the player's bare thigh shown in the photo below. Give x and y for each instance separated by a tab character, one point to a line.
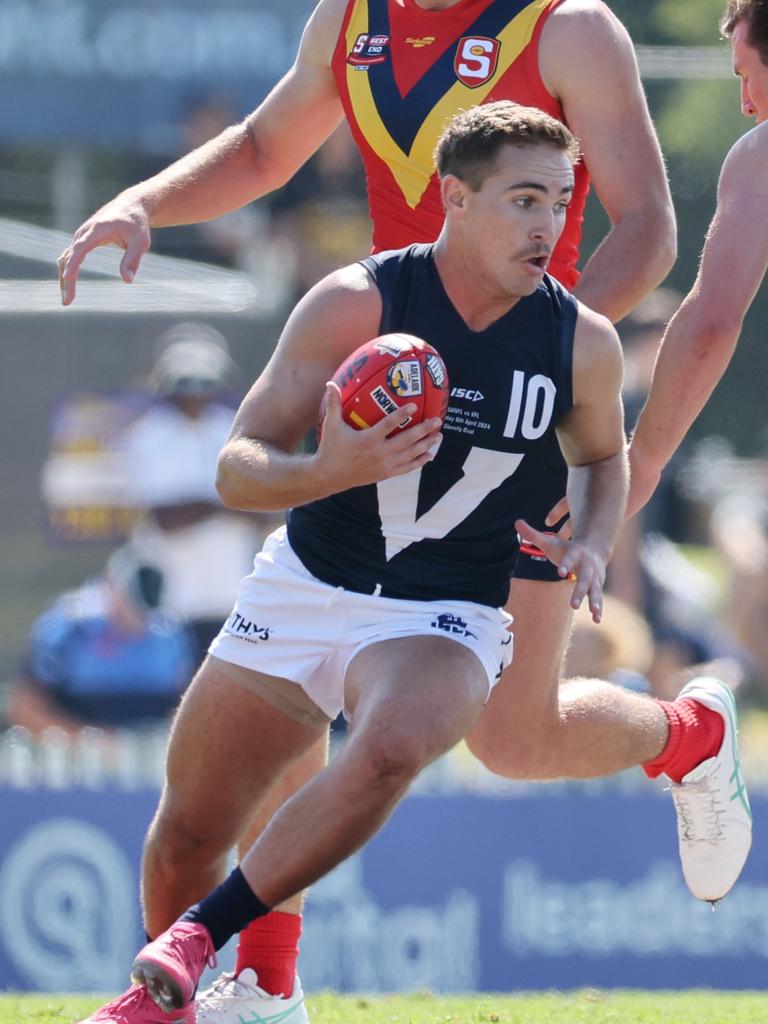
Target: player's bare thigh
227	748
427	690
522	712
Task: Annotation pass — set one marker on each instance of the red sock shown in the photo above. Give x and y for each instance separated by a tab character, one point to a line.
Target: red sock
270	945
695	733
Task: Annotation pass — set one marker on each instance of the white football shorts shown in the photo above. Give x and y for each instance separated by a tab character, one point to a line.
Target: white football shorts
288	624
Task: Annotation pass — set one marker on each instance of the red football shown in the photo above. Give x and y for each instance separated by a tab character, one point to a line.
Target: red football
390	371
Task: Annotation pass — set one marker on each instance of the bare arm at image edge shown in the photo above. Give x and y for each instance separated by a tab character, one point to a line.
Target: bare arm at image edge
701	337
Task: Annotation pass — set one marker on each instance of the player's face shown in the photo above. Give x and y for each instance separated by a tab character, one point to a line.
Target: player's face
753	74
515	218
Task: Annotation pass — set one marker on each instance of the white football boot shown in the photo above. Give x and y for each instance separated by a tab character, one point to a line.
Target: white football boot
714	820
237	999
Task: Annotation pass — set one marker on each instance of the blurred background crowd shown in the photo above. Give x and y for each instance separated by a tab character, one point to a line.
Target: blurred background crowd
118	563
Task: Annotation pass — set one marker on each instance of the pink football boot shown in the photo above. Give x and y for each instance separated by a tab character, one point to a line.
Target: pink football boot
136	1006
171	966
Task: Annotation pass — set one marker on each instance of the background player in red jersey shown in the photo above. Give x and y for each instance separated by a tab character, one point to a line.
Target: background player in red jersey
577	62
574	58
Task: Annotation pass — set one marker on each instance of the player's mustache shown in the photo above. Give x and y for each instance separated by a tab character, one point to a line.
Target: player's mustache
534	253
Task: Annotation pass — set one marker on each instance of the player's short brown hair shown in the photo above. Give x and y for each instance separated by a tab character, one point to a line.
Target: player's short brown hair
472	139
754	13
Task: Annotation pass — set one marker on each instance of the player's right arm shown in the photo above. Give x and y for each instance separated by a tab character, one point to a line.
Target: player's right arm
591	437
588	62
701	337
243	163
259	468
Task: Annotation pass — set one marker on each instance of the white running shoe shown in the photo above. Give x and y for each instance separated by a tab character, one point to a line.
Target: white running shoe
237	999
714	820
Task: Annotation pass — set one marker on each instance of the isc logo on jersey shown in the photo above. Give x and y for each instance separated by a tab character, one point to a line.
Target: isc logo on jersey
469	394
368	50
476	60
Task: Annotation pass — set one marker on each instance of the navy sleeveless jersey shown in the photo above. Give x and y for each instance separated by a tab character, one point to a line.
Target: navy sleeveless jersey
447	531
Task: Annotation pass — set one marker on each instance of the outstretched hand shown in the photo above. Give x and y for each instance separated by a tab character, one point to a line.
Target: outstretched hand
574	560
123	222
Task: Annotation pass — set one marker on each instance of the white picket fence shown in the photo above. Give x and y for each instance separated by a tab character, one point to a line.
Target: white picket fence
94	759
129	760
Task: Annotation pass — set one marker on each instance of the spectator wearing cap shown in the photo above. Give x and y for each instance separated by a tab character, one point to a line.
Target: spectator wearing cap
202	548
103	655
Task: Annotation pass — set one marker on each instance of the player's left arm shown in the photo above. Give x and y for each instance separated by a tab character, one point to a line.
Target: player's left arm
592	440
701	337
588	61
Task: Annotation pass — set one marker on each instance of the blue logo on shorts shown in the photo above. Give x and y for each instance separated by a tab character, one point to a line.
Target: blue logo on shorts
452	624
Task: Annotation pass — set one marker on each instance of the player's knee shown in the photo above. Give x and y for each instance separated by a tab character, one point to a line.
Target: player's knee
511	756
392	756
173	839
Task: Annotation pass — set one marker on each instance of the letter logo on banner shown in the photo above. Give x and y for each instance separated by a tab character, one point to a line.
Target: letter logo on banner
63	887
652	915
351	943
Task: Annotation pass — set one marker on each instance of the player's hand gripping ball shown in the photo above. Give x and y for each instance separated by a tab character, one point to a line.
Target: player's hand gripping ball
391	371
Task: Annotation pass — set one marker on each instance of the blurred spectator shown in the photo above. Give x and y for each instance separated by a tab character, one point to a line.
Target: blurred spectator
689	633
321	214
740	534
619	649
202	548
104	655
625	650
641	334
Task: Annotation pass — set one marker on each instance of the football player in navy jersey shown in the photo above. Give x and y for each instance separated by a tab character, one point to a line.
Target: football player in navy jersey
299	648
572	58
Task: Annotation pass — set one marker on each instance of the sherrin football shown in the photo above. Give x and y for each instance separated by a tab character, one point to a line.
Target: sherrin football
390	371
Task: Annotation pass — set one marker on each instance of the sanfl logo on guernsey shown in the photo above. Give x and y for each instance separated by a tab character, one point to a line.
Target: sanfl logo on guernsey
476	60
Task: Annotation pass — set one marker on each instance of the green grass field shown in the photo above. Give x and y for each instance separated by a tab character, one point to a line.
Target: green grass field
585	1007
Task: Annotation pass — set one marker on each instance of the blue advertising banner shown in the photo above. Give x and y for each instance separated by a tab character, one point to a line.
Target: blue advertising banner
457	893
89	71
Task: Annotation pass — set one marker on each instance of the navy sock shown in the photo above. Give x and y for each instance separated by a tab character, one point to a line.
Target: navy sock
228	909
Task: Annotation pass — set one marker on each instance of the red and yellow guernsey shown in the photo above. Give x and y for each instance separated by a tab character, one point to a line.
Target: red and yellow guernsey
402	72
